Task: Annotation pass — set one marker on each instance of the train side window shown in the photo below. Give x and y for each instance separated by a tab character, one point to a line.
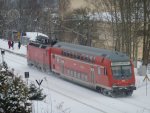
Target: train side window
75	74
82	76
78	57
68	71
87	58
67	54
46	52
85	77
57	59
105	71
91	58
64	53
81	57
99	70
74	55
71	55
71	72
79	75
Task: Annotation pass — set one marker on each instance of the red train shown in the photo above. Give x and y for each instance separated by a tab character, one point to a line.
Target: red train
109	72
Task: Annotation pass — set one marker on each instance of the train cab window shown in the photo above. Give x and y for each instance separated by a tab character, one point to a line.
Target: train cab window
42	46
99	70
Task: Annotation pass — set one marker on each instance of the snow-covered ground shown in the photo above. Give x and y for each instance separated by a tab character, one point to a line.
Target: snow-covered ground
66	97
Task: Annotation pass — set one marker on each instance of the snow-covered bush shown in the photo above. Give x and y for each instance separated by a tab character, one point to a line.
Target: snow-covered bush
35	93
15	95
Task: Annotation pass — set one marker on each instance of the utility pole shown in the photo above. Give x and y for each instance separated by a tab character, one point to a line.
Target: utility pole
20	23
2	53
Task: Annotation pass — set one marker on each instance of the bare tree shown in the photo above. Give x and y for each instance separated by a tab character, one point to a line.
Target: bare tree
126	18
63	6
146	29
79	27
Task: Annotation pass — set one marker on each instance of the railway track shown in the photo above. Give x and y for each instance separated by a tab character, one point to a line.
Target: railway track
12	59
80	101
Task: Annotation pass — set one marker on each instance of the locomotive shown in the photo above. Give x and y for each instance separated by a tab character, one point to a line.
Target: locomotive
109	72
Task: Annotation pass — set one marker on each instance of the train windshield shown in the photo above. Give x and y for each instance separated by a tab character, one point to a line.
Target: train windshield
121	72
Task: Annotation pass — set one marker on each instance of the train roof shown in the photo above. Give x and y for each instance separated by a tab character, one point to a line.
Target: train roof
113	55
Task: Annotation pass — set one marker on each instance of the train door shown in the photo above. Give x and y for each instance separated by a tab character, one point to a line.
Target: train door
92	75
62	66
43	64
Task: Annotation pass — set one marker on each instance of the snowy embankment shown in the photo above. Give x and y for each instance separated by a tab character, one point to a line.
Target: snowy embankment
21	51
65	97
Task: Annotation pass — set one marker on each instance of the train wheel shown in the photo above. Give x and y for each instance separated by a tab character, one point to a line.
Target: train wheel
113	94
104	92
129	93
98	89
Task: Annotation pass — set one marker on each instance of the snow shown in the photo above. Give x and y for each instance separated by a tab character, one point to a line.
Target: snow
32	35
66	97
104	16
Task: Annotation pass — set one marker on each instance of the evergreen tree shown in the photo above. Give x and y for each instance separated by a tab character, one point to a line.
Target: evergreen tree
14	93
35	93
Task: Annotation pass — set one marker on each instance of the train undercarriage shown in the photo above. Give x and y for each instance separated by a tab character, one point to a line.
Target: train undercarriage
114	92
117	91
